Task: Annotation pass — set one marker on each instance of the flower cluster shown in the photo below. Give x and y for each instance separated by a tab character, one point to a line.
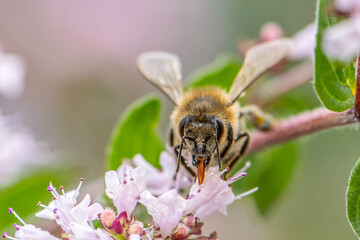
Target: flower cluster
174	216
342	40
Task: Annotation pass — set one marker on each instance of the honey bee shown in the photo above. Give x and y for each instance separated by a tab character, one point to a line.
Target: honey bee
208	122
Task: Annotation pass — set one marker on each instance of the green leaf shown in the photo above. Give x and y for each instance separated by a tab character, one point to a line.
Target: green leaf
221	73
24	195
349	73
271	172
135	133
332	91
353	199
276	175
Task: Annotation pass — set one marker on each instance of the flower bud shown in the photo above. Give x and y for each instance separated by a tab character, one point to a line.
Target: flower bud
189	221
136	227
270	31
182	232
107	217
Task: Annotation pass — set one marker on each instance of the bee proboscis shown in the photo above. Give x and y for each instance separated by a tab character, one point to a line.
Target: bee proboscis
208	122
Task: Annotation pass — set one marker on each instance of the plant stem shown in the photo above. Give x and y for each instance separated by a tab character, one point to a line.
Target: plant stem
357	92
274	88
301	125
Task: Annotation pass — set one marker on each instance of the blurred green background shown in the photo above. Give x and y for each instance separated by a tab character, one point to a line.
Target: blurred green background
81	75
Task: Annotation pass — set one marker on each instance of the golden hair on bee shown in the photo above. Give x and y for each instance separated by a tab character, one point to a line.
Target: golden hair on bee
206	101
207	122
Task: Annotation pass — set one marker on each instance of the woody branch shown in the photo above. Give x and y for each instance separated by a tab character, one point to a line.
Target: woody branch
307	123
281	84
357	92
301	125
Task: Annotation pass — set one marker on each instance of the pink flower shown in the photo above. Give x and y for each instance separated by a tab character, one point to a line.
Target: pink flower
270	31
342	41
28	231
64	210
167	210
85	232
304	43
124	187
135	237
347	6
160	181
214	194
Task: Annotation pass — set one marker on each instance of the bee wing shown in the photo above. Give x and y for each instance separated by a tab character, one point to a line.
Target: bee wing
163	70
258	59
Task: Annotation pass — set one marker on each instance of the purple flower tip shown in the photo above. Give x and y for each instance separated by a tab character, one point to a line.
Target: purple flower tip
5	235
10	210
49	188
244	174
116	225
16	227
123	217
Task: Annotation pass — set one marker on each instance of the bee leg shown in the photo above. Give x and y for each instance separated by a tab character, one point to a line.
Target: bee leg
182	161
217	152
257	117
245	144
229	140
233	160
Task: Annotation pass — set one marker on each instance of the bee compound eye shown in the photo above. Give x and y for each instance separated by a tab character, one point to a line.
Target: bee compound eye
219	127
194	162
186	120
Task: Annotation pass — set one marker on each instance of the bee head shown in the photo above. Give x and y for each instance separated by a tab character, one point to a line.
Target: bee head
201	138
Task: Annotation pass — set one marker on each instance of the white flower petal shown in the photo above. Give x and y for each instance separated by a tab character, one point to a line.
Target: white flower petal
160	181
111	181
65	211
347	6
46	213
304	43
342	41
124	187
93	211
29	231
214	194
168	162
85	232
135	237
126	197
167	210
125	172
139	160
83	212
